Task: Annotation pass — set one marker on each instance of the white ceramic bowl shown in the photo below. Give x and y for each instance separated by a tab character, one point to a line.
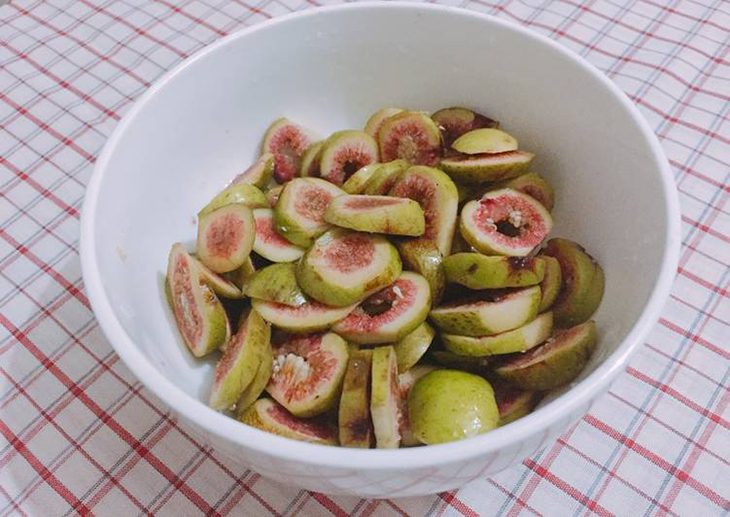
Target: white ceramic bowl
329	69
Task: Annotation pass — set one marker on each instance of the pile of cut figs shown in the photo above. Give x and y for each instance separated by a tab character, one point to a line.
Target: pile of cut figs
385	287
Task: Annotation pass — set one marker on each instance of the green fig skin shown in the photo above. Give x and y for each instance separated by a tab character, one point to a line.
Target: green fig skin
259	174
257	386
533	185
384	178
412	348
551	283
485	140
514	403
423	257
477	271
313	430
355	423
486	168
242	193
355	184
276	283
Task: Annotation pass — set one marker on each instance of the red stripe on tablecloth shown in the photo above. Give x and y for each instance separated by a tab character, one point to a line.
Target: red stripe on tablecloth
458	505
189	16
328	504
694	337
40	189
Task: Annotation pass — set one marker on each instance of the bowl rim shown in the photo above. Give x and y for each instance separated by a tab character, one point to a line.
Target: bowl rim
229	429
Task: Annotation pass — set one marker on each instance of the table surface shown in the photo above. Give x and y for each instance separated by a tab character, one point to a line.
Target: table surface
80	434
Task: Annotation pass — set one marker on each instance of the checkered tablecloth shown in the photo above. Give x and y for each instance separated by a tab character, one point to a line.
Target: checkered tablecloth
80	434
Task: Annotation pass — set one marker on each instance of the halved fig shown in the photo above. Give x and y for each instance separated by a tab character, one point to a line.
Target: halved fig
309	317
406	380
485	141
454	122
477	271
344	267
450	405
411	348
556	363
384	177
258	385
346	152
299	212
268	243
505	222
272	195
384	398
437	195
411	136
493	312
276	283
390	314
377	214
259	174
478	365
200	316
375	122
355	422
483	168
514	403
551	282
355	184
287	141
423	257
241	193
307	373
220	285
533	185
518	340
309	168
238	365
225	237
267	415
583	282
239	275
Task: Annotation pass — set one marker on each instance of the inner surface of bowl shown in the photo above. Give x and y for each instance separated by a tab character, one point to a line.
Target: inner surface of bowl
329	71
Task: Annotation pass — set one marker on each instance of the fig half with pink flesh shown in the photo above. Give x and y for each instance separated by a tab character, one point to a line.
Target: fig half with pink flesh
554	364
514	403
376	120
225	237
311	158
551	283
491	313
355	422
307	373
423	257
533	185
477	271
309	317
299	212
200	316
384	177
505	222
267	415
437	195
346	152
344	267
238	365
384	398
377	214
485	141
406	380
259	174
390	314
454	122
518	340
411	348
241	193
276	283
411	136
287	141
484	168
259	382
268	243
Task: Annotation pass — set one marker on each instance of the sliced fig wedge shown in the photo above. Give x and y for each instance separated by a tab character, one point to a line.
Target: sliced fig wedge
505	222
411	136
268	243
307	373
556	363
355	422
423	257
477	271
551	283
287	141
410	349
375	122
384	178
355	184
346	152
311	159
299	212
220	285
533	185
583	282
478	365
437	195
485	141
258	384
272	195
238	365
497	311
276	283
200	316
239	275
225	237
454	122
514	403
344	267
406	380
241	193
259	174
390	314
518	340
385	394
267	415
377	214
483	168
309	317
